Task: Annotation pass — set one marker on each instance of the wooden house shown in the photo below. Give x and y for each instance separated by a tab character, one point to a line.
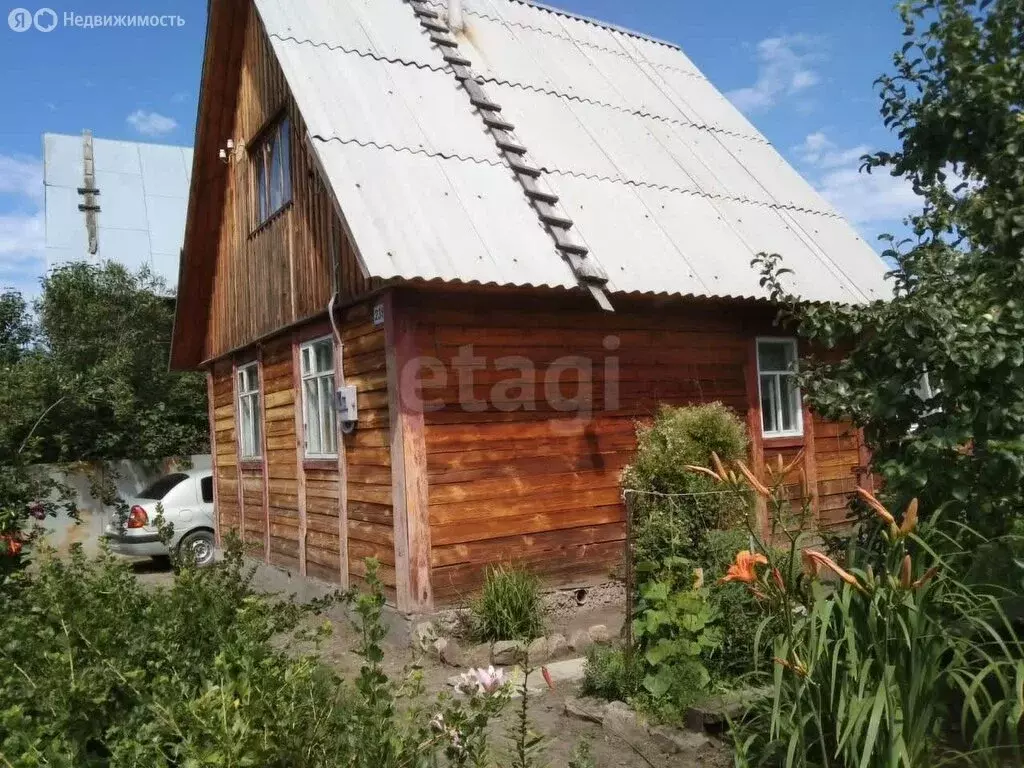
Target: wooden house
509	238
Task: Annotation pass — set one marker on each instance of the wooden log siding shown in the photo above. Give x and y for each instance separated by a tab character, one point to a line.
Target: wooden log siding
276	274
370	508
542	487
225	459
279	404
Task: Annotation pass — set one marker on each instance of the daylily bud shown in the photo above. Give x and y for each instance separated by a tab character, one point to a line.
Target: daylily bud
831	564
905	573
928	576
756	484
717	462
877	506
909	518
810	564
703	471
777	578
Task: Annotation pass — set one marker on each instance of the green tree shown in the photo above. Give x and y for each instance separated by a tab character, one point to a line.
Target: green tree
955	103
107	337
88	381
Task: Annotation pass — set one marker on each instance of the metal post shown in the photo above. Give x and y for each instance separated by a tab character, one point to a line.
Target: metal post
628	627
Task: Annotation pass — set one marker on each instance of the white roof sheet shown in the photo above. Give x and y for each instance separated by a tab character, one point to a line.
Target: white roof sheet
668	185
143	197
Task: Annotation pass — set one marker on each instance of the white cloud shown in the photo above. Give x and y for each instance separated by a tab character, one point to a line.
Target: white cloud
151	123
783	69
21	233
864	198
22	176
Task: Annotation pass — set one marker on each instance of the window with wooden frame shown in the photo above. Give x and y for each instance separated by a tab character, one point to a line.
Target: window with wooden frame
249	438
272	171
317	358
781	404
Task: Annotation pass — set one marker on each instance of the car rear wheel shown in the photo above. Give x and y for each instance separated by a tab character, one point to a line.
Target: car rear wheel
200	545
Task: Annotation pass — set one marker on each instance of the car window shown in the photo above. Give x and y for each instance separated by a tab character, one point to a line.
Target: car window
158	489
206	487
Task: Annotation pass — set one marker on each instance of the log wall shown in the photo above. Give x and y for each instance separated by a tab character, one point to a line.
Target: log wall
271	275
540	486
320	518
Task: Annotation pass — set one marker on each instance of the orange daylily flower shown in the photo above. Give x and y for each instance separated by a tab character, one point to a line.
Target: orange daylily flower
743	568
823	560
13	544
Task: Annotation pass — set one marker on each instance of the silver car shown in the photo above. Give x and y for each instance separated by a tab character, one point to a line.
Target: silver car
186	500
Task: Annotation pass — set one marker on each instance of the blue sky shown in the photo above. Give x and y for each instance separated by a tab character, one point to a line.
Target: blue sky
802	71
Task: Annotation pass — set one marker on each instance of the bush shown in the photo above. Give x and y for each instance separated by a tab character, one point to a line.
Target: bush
98	671
608	675
674	527
509	606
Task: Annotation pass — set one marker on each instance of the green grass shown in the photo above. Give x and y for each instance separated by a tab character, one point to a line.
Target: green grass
509	607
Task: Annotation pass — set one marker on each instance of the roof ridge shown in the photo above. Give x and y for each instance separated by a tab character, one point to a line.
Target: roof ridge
586	19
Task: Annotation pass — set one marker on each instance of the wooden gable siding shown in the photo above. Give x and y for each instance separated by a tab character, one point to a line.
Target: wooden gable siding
270	276
540	486
321	518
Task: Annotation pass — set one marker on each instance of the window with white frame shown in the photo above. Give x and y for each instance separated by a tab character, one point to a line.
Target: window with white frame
781	410
318	398
249	410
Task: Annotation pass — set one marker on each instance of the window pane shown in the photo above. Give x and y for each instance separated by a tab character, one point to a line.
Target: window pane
276	175
790	404
327	412
261	184
284	150
245	426
311	401
324	356
256	425
775	356
768	416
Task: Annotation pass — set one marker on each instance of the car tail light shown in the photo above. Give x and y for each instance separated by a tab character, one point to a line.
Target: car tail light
137	517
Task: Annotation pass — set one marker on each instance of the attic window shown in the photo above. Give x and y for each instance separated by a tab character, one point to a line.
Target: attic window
271	158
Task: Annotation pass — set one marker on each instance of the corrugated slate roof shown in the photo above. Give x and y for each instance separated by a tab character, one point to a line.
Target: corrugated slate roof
143	197
670	188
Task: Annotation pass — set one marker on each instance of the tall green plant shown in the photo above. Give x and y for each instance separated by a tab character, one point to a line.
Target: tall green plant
509	606
882	664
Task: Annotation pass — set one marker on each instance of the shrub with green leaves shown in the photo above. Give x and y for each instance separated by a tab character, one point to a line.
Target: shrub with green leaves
673	631
664	526
612	675
509	606
96	670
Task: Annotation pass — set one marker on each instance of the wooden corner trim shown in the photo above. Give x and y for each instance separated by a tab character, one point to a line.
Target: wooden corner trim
410	490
